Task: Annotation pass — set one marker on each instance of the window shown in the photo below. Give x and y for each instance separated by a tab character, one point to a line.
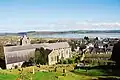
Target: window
67	52
62	55
51	58
55	58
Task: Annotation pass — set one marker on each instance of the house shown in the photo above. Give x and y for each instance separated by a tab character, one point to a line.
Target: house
17	55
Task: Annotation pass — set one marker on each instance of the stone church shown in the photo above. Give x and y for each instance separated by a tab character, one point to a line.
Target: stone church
17	55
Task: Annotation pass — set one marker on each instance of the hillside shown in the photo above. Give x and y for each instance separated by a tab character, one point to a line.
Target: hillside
60	32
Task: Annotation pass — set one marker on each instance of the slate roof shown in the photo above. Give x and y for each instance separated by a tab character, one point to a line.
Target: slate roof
58	45
34	46
16	54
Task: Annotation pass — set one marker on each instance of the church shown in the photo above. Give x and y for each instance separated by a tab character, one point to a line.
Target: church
17	55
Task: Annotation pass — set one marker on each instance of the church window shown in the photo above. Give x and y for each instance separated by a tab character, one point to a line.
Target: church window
51	58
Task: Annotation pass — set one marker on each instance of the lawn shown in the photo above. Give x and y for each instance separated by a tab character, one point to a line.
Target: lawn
77	74
97	73
59	76
45	76
93	72
8	77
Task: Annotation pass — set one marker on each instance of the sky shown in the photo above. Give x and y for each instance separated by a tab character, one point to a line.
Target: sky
59	15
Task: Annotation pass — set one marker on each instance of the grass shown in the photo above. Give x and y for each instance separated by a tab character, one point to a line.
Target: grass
59	76
47	76
93	72
83	75
77	74
8	77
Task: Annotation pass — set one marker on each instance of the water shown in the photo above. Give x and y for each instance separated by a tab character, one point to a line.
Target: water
76	35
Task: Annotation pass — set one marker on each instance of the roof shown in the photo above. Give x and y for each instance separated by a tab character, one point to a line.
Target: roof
34	46
58	45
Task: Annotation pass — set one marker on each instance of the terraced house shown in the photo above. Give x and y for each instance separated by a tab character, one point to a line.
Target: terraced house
17	55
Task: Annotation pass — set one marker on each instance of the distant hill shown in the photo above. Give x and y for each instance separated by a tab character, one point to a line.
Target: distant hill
76	31
60	32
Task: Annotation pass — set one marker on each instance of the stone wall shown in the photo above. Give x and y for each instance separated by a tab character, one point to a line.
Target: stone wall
12	65
57	54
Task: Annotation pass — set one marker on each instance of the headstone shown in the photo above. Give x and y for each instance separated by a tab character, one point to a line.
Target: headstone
64	71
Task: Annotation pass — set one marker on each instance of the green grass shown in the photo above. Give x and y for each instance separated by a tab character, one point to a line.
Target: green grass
93	72
59	76
8	77
77	74
46	76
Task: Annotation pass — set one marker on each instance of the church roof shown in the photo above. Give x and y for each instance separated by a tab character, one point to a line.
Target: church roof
12	56
34	46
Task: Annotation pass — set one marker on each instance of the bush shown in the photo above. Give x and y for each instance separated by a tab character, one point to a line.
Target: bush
60	62
97	55
70	61
16	66
102	62
65	61
97	59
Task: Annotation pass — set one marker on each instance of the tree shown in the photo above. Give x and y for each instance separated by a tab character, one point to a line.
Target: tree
91	49
82	48
41	55
70	61
2	57
116	53
105	47
31	61
96	46
73	45
96	38
65	61
86	38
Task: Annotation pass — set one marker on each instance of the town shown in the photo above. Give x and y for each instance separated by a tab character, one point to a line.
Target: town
22	52
59	40
17	54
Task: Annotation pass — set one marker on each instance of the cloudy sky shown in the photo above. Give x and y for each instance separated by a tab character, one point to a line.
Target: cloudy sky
58	15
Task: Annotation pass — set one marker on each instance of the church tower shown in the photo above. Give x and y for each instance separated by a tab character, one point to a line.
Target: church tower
24	40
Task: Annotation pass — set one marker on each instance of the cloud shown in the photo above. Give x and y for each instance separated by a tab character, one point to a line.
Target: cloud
87	25
30	25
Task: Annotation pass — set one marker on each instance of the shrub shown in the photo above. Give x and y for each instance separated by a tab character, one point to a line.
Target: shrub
16	66
60	62
70	61
65	61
